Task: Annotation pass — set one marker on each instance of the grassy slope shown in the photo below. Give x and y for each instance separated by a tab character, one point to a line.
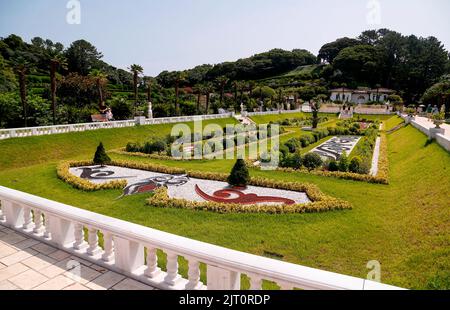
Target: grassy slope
403	225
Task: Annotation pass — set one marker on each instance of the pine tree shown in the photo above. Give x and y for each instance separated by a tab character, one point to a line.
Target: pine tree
239	175
100	157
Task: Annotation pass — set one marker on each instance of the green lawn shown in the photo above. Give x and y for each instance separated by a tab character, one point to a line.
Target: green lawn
403	225
265	119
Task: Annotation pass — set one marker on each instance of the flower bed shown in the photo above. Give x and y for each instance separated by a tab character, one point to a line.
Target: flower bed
319	201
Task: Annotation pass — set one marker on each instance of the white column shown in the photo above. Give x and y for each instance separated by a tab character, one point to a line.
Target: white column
194	275
128	255
222	279
172	269
152	270
108	244
28	224
13	213
80	244
38	225
93	248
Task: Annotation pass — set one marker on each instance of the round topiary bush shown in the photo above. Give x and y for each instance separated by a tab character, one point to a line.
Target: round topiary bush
312	161
239	175
355	165
333	166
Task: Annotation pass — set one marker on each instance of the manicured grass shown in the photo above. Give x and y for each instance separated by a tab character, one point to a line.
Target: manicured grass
392	123
403	225
265	119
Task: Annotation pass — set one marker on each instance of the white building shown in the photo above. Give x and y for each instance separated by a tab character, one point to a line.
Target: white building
360	95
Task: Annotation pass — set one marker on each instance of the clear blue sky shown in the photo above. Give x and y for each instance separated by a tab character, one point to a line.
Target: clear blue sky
179	34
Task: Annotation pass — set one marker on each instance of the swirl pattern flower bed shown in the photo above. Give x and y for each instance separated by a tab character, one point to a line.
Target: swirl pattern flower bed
308	197
191	189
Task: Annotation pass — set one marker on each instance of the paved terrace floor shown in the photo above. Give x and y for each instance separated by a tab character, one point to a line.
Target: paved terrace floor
430	124
27	264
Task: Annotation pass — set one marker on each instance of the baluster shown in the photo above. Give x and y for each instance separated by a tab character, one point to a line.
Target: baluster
79	244
47	233
93	248
108	244
2	214
152	263
194	275
38	224
172	269
28	219
255	283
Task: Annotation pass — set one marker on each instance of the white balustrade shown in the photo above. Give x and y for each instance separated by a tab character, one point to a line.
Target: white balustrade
133	250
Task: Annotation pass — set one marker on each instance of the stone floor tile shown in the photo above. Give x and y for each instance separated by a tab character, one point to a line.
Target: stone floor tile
59	255
131	285
44	248
58	268
105	281
85	275
17	257
7	286
27	243
76	287
12	238
11	271
6	250
28	279
38	262
57	283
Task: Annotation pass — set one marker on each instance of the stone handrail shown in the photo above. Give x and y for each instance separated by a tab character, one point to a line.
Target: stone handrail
123	251
57	129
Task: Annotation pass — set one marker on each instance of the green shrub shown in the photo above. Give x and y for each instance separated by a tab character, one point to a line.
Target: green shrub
355	165
312	161
133	147
343	162
333	166
239	175
100	157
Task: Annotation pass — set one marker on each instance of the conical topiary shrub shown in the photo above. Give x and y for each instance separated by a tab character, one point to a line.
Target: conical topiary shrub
239	175
100	157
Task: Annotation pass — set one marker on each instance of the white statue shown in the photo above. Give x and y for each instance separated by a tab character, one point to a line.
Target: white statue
150	110
242	108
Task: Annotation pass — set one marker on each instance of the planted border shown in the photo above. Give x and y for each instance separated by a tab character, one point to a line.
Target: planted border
320	201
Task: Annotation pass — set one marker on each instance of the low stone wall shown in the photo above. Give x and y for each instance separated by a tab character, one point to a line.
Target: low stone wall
432	133
57	129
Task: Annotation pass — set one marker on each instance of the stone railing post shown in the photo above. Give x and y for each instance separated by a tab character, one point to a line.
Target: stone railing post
62	231
222	279
14	214
129	255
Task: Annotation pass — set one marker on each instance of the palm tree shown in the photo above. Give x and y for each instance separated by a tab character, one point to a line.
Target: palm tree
251	86
208	89
199	89
136	70
222	82
236	86
178	78
100	80
21	67
57	60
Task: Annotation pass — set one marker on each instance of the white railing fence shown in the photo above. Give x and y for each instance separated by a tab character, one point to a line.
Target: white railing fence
57	129
132	250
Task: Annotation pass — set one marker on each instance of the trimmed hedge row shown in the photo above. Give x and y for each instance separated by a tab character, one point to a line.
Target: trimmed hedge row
161	199
63	172
320	201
